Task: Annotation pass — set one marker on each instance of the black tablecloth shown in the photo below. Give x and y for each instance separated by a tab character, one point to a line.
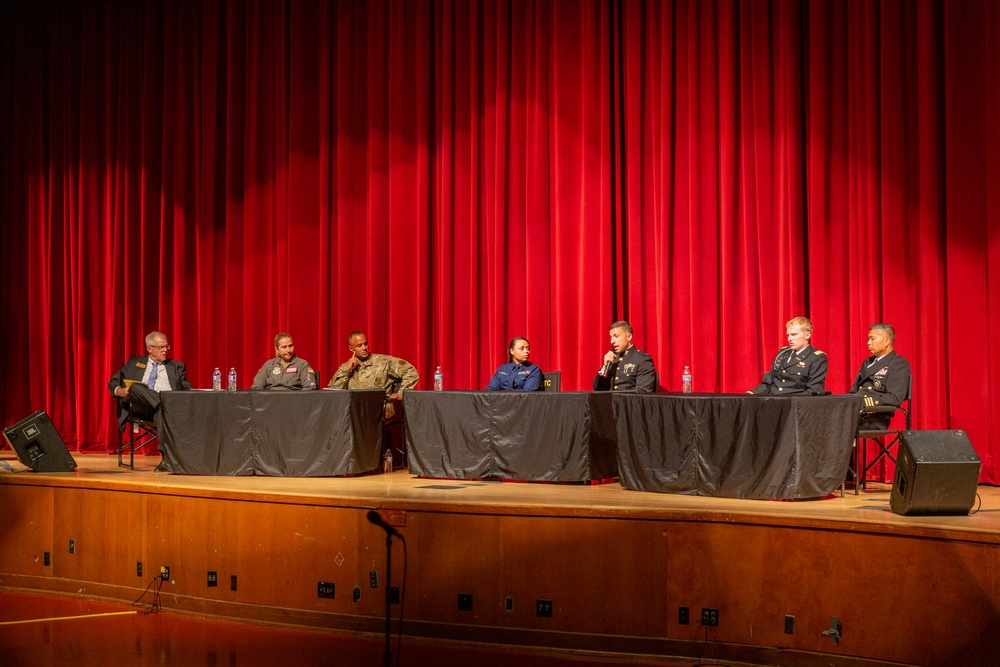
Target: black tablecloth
534	436
293	433
735	446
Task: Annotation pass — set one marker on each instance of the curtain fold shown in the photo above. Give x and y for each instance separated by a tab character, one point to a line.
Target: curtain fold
446	175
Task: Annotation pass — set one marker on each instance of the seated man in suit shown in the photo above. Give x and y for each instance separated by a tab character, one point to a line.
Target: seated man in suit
883	377
150	374
626	367
798	368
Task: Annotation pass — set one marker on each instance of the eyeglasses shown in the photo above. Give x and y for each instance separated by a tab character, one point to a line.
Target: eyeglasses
161	348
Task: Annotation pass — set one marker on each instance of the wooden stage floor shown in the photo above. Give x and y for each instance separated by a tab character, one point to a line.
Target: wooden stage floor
622	572
867	511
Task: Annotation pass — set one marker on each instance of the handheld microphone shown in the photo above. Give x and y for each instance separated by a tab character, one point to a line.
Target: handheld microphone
377	519
606	368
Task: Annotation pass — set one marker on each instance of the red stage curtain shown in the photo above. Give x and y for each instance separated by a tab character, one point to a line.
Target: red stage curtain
446	175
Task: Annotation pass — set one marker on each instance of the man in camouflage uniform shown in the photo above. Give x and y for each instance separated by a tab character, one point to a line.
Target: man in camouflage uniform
365	370
285	371
798	368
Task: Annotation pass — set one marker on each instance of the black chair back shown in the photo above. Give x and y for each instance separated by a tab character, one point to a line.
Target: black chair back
551	381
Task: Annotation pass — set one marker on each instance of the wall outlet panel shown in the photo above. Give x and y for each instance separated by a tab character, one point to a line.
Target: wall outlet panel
325	589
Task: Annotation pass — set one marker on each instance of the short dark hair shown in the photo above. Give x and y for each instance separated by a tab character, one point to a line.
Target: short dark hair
510	346
353	334
278	338
887	328
623	325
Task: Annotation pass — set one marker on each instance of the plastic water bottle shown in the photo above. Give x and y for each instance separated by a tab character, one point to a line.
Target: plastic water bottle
686	380
232	379
387	461
216	380
438	379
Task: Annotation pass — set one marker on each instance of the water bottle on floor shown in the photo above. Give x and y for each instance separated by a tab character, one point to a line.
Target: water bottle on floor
232	379
387	462
216	380
686	380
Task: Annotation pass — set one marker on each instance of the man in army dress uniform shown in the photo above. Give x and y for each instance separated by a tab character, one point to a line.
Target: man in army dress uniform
365	370
883	377
798	368
626	367
285	370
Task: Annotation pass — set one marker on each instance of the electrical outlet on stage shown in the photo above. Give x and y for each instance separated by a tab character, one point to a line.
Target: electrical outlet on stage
710	617
213	579
138	568
543	608
165	572
683	616
325	590
373	579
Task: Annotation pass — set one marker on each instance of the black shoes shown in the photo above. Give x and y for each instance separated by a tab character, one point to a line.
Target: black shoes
163	467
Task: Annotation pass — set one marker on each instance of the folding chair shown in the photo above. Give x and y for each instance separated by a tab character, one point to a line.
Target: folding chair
140	433
551	381
879	436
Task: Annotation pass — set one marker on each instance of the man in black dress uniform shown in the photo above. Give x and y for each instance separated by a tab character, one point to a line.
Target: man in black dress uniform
798	368
883	377
626	367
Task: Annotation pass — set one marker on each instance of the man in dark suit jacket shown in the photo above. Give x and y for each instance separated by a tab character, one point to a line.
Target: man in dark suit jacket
150	374
883	377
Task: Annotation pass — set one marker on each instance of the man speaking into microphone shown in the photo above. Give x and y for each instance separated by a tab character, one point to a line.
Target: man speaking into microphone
626	367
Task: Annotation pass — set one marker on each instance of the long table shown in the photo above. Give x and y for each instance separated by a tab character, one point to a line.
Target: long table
735	446
277	433
533	436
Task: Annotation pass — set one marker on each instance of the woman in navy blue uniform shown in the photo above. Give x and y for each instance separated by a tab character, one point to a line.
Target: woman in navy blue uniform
518	374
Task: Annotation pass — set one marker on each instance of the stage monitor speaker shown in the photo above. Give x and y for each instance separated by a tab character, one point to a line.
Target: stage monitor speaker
38	445
937	472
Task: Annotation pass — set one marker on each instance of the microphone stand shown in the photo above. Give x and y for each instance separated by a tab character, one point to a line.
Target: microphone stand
387	655
375	518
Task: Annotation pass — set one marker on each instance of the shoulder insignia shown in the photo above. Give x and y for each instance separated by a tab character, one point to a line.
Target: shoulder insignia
820	352
309	370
